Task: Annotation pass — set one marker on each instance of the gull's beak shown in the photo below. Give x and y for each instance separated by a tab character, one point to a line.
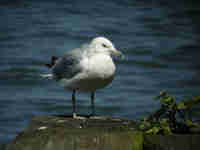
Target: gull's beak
116	52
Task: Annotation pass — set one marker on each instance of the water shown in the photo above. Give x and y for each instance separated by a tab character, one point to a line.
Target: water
159	38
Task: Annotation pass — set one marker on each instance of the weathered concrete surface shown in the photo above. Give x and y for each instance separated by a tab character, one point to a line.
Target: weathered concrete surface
65	133
171	142
59	133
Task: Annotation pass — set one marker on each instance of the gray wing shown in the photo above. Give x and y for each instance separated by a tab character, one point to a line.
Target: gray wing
68	65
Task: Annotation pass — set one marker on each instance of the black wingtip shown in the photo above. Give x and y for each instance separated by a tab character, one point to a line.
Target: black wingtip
53	62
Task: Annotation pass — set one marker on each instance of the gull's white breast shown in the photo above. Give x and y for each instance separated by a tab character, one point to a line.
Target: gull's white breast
98	72
101	66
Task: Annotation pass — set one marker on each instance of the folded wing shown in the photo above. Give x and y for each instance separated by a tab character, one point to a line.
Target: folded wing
68	66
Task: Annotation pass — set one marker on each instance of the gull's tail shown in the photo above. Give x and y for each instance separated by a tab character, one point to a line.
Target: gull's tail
53	62
48	76
50	65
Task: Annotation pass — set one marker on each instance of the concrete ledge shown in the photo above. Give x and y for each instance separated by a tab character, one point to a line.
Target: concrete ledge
65	133
171	142
59	133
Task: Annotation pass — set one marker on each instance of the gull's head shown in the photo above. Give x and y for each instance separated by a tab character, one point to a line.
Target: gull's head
103	45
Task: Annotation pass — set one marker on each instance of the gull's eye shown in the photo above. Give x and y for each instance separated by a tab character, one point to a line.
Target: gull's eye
104	45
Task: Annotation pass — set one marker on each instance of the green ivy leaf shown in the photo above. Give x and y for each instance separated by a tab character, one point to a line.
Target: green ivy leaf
192	124
153	130
142	126
191	102
181	106
167	130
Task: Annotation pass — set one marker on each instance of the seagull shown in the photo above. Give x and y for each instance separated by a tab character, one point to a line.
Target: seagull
86	69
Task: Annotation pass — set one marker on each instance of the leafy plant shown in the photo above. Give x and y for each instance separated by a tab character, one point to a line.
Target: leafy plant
172	117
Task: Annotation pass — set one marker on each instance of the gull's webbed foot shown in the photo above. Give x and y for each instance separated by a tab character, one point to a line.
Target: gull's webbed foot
75	116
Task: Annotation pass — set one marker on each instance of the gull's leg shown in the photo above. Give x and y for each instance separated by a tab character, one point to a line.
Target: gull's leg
92	104
92	115
74	103
74	106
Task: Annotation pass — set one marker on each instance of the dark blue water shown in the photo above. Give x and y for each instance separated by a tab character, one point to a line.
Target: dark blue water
161	40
